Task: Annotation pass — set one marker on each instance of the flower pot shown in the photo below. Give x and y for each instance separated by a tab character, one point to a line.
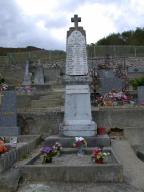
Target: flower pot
47	159
99	161
81	150
1	98
101	131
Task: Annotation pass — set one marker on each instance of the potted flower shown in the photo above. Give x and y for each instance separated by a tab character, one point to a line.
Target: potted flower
57	147
48	154
98	155
80	143
3	87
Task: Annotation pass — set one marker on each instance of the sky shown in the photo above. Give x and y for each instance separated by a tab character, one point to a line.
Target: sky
44	23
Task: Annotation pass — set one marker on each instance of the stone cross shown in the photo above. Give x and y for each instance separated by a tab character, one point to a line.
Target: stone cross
76	19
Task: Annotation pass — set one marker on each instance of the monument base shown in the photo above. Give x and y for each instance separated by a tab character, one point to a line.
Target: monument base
79	128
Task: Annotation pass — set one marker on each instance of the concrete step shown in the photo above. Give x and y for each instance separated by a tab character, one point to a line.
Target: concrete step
99	140
41	102
49	97
46	104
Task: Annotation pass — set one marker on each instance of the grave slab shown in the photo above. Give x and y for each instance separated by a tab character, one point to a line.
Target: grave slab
8	115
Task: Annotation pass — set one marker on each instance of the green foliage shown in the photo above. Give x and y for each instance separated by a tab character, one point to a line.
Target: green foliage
137	82
135	37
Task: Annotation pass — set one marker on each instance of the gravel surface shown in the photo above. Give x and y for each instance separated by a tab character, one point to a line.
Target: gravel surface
77	187
132	166
71	160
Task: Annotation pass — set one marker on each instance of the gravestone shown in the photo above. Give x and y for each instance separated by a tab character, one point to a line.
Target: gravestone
109	81
77	109
140	93
8	115
39	74
27	75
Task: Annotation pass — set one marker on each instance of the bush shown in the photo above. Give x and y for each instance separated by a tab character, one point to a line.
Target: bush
137	82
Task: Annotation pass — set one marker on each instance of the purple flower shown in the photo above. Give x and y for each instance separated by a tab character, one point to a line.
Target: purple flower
47	149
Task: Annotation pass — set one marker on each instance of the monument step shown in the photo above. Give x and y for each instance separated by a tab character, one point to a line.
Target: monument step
39	102
99	140
46	101
48	104
49	97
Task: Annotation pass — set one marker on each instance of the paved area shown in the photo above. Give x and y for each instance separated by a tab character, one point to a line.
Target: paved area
133	167
62	187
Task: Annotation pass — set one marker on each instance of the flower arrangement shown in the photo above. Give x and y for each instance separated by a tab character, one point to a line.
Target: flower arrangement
58	147
50	152
3	85
80	143
3	148
98	155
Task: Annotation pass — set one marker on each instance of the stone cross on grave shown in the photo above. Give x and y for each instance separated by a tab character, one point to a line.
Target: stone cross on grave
76	19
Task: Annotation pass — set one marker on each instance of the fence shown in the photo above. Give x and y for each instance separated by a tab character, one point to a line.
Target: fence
115	51
51	57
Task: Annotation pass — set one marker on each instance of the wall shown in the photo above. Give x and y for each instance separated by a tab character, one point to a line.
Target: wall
14	72
48	123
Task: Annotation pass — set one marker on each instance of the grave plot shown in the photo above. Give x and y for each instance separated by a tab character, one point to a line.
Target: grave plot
69	167
18	148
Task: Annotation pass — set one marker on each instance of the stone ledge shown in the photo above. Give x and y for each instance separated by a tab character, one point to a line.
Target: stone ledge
77	80
9	181
101	141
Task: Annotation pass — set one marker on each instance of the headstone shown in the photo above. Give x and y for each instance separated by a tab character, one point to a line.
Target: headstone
8	115
140	93
77	110
39	75
27	75
13	141
76	63
109	81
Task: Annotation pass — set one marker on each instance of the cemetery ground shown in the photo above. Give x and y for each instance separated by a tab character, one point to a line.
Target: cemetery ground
93	157
132	166
132	180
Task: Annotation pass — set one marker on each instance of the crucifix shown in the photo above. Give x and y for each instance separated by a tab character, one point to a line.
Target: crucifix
76	19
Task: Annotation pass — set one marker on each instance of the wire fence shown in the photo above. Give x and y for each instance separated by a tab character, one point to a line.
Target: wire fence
115	51
92	52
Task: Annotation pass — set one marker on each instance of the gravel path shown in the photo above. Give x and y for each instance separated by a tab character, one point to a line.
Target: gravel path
76	187
133	167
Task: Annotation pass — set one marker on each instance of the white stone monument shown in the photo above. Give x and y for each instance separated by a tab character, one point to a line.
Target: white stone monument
39	74
27	75
77	109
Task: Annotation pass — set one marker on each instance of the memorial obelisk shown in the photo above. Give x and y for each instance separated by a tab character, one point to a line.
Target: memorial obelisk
77	109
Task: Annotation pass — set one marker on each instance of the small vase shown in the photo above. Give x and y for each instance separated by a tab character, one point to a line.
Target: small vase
81	150
47	159
1	98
